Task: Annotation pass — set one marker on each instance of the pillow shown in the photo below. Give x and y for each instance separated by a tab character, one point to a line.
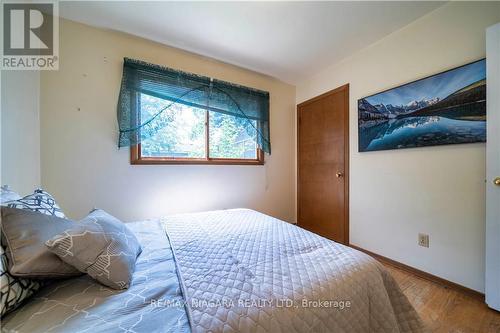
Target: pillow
24	233
101	246
8	195
13	291
40	201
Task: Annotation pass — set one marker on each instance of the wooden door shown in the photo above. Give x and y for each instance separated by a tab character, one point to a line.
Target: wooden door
323	172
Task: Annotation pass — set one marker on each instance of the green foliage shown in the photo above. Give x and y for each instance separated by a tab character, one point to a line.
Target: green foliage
163	140
180	131
224	132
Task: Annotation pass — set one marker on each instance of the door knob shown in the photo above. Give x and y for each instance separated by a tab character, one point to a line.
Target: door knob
496	181
339	175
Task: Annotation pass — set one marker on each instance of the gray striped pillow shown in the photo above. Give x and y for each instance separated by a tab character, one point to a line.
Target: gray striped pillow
101	246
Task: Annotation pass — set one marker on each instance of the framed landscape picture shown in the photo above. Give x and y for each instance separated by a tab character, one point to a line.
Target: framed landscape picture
446	108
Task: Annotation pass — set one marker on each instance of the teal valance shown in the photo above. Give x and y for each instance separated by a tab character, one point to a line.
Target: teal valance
189	89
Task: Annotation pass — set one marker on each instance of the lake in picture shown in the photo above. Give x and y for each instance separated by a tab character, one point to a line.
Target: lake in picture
447	108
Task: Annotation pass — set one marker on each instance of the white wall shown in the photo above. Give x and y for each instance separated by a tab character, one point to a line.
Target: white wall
396	194
83	168
20	130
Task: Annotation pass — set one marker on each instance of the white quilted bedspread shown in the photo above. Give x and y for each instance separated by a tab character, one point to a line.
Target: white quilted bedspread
242	271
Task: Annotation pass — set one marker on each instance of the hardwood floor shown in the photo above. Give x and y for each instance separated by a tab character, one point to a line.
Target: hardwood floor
444	309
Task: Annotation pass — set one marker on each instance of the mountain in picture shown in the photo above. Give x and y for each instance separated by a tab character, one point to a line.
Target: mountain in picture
446	108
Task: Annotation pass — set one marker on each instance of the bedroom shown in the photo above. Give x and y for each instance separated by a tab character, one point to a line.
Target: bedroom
429	214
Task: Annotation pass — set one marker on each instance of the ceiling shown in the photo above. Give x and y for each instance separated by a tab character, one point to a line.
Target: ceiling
287	40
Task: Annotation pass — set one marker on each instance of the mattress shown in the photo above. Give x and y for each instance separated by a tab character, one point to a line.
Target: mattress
243	271
229	271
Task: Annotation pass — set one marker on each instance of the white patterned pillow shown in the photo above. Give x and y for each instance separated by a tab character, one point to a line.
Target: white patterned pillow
13	290
40	201
7	195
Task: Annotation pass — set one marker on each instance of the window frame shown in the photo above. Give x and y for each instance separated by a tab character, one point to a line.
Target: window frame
137	159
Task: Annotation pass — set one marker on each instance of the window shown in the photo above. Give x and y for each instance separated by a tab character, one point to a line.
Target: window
191	135
169	116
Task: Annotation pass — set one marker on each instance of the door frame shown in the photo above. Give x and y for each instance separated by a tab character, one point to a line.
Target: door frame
345	89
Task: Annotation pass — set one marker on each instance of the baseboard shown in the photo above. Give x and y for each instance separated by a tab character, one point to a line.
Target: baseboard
424	275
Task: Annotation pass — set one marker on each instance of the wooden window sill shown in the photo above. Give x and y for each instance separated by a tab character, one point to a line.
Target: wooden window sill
136	159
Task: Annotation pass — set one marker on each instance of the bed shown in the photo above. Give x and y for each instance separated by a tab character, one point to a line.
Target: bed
228	271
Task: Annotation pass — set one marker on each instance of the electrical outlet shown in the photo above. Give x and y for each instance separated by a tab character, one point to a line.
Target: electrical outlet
423	240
